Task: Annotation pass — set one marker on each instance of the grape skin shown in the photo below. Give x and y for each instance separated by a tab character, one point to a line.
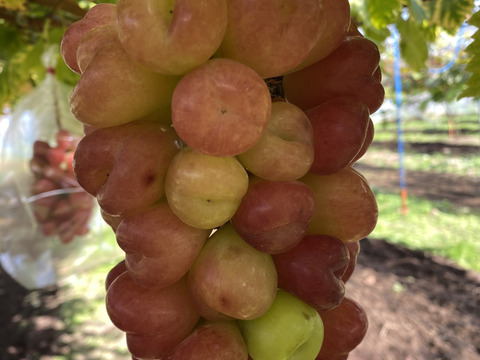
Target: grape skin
137	147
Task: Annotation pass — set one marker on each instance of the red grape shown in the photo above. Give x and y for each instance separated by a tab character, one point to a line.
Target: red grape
219	143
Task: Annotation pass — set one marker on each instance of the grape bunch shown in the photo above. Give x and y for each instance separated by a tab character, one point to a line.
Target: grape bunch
60	206
220	139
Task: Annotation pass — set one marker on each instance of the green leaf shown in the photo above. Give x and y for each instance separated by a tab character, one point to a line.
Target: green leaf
450	14
358	11
413	45
445	86
383	12
417	10
475	19
21	68
473	87
474	47
473	66
10	41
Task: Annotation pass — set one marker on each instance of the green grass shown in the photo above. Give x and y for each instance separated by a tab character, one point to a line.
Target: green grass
437	162
430	130
417	131
435	227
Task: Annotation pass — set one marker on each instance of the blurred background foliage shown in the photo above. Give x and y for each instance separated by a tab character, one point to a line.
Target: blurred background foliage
29	27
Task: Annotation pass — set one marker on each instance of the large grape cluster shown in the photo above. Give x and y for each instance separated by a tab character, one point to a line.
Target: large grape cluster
220	139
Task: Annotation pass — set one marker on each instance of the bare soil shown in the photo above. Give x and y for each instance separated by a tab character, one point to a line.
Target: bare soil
460	191
420	307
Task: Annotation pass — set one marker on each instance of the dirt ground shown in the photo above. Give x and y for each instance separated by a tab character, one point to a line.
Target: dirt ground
460	191
420	307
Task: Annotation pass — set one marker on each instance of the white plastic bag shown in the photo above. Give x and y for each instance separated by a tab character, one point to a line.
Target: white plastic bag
50	227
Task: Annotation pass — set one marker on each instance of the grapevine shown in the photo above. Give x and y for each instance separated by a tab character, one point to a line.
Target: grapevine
220	143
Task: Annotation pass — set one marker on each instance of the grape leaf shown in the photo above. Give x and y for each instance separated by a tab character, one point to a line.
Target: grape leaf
383	12
473	88
416	10
450	14
413	45
21	65
358	11
475	19
473	67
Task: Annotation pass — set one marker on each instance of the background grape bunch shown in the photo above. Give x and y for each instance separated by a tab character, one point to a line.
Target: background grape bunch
60	206
220	139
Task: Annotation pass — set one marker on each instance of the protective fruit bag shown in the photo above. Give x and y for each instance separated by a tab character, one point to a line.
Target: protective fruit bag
49	226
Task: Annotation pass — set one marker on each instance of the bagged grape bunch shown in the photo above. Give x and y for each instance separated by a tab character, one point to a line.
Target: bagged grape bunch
49	224
221	138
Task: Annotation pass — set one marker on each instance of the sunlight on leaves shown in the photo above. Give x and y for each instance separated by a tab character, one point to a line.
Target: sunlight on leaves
450	14
417	10
413	45
383	12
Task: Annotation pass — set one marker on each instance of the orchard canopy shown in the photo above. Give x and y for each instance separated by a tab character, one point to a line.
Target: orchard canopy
29	27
